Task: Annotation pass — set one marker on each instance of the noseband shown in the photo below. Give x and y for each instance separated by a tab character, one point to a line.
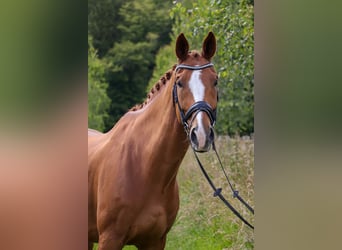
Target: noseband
197	106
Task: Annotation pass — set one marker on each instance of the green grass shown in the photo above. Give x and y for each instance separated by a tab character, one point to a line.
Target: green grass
203	221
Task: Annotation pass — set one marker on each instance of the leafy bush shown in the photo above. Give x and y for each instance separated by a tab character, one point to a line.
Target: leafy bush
98	101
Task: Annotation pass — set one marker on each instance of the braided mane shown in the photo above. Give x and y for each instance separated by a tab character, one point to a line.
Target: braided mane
155	89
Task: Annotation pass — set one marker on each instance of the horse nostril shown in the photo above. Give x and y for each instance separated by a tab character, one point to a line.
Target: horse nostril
211	134
193	137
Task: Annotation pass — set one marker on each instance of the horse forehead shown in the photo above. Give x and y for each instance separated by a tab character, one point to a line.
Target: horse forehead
195	58
196	85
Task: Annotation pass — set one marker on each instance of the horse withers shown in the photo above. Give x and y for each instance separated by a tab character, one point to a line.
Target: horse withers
133	192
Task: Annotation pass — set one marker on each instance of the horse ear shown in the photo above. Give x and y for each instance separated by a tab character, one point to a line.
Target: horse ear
209	46
182	47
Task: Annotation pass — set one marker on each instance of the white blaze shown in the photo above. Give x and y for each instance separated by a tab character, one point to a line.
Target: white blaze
196	85
197	89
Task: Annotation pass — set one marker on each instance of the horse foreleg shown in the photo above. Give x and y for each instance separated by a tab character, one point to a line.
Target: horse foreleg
108	241
155	245
90	245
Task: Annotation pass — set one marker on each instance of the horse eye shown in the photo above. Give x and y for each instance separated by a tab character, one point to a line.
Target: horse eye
180	84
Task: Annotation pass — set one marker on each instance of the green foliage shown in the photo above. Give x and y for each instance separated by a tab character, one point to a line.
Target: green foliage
128	84
103	17
128	35
232	22
145	20
163	63
98	101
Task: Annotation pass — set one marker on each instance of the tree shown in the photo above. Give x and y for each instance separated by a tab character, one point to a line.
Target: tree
98	101
143	28
103	19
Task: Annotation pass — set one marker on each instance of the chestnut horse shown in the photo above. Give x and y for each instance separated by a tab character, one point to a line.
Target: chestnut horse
133	192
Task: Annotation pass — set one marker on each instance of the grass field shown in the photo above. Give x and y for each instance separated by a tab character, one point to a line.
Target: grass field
204	222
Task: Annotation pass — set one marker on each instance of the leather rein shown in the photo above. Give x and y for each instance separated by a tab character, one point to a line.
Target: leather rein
192	112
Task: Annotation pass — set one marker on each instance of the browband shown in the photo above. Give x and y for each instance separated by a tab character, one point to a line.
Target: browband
184	66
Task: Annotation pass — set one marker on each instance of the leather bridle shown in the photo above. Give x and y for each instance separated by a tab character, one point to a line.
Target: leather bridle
197	106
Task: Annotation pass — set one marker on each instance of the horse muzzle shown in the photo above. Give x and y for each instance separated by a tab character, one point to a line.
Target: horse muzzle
200	139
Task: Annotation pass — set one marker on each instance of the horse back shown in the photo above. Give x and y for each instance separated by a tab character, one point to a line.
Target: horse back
93	132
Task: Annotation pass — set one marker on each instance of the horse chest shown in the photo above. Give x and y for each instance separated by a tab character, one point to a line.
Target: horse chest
151	222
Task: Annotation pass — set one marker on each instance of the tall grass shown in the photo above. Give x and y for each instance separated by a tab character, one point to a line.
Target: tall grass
203	221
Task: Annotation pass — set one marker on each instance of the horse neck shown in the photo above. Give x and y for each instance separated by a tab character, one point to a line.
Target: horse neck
167	141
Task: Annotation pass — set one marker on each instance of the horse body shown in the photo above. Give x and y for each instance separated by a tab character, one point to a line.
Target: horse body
133	192
146	182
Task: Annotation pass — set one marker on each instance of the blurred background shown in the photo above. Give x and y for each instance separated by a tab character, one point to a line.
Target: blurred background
43	124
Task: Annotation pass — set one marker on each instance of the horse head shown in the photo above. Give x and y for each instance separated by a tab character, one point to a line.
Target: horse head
195	91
